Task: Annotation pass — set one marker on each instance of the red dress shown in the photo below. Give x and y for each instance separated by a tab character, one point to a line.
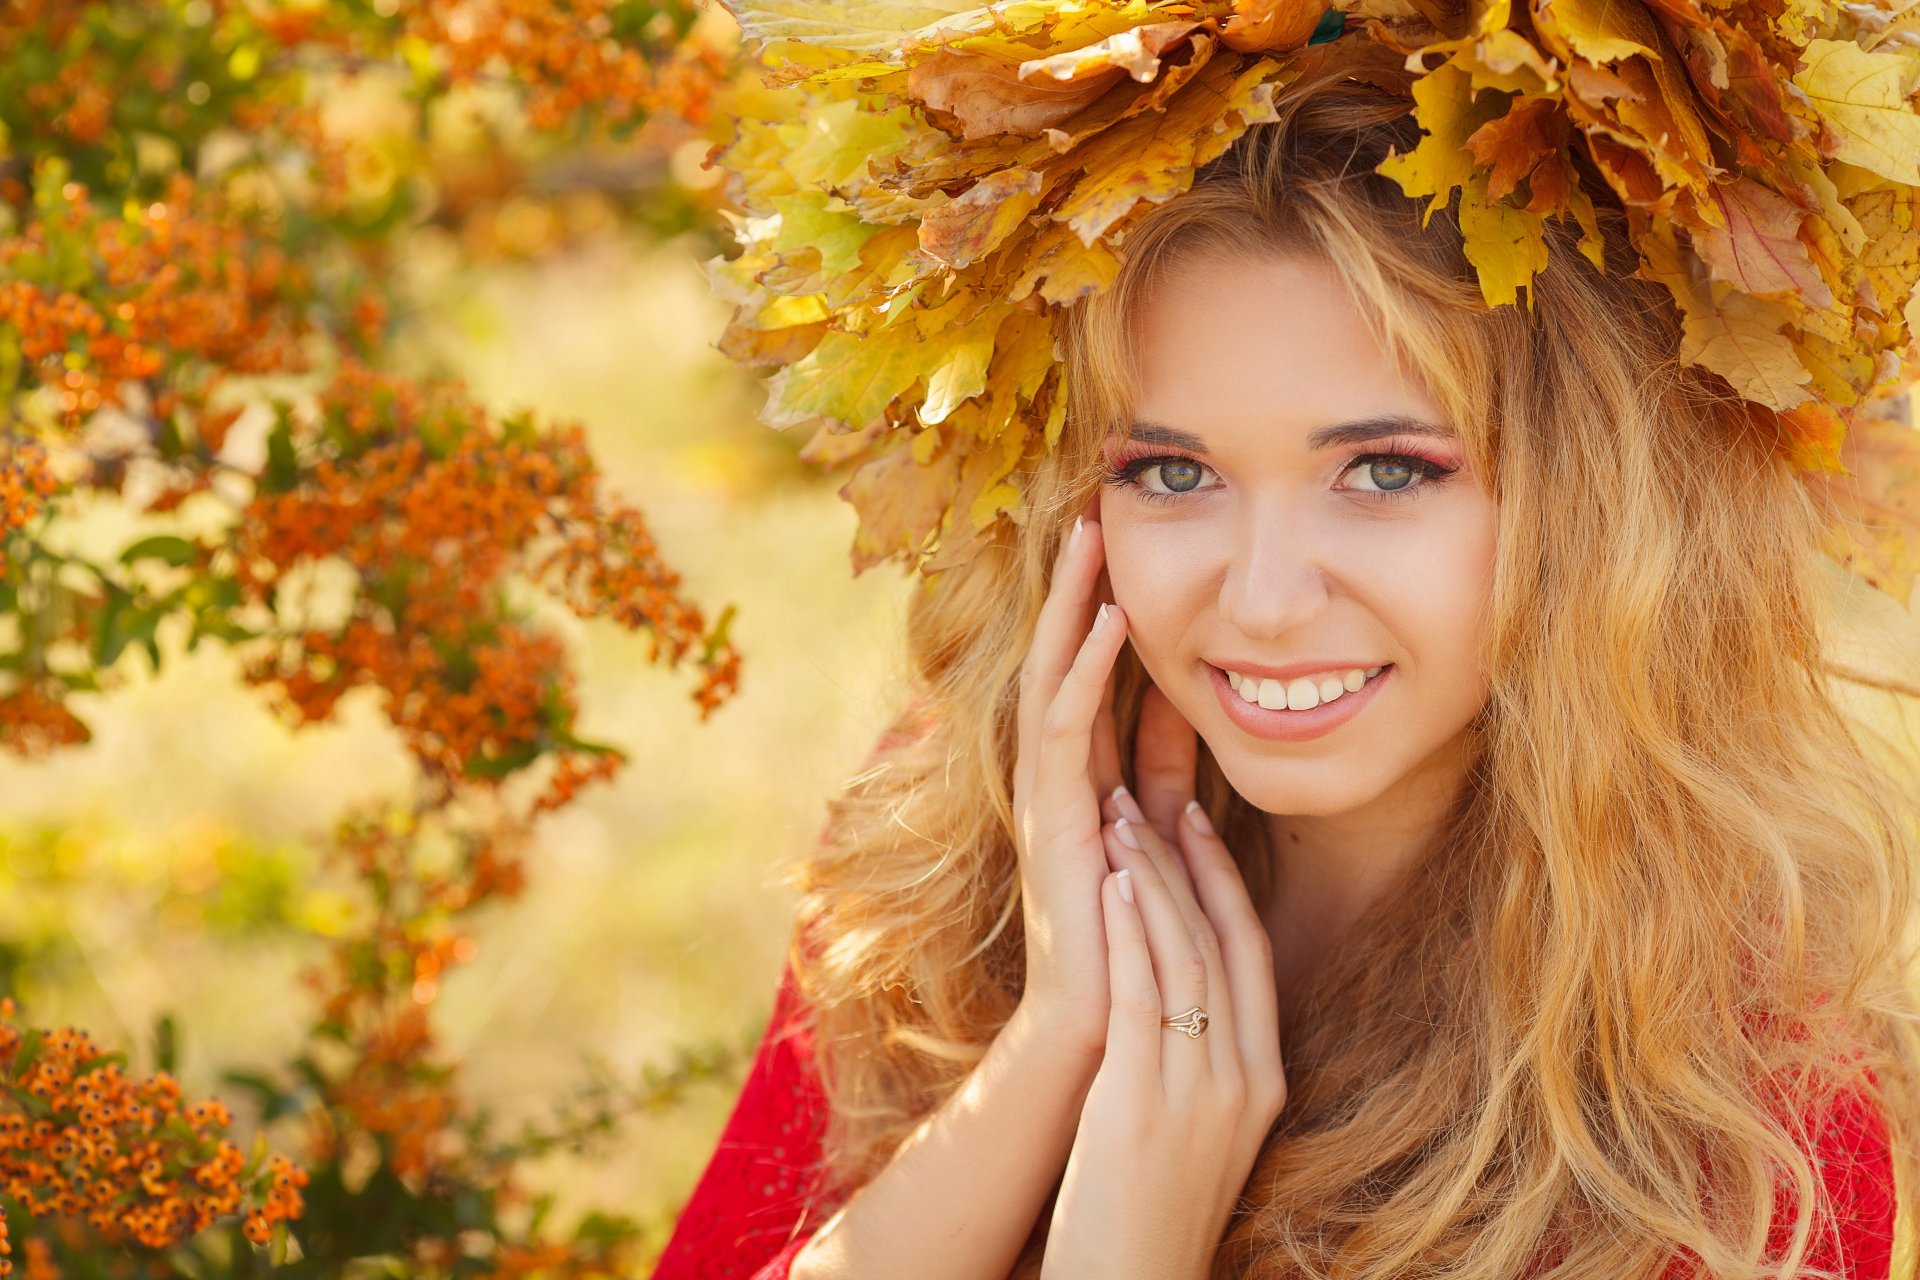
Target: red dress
749	1214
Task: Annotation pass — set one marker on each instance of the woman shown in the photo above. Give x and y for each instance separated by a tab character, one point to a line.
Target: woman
1550	924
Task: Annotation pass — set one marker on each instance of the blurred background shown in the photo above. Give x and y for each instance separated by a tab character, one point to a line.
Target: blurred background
532	219
510	199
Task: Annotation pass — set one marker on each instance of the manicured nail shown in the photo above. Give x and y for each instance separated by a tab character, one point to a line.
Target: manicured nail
1126	885
1073	539
1124	829
1100	619
1123	801
1198	817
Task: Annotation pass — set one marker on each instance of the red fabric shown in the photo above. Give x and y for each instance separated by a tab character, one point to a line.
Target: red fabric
747	1216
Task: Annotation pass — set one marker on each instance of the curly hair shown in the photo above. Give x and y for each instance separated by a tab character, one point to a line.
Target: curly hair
1666	928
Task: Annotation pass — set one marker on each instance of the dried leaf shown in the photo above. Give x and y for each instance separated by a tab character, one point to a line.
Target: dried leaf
1529	136
980	218
852	377
1740	338
1506	245
1442	161
1272	26
900	502
987	96
1865	97
865	26
1760	249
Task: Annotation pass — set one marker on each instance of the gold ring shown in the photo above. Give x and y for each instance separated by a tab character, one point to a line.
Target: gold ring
1193	1022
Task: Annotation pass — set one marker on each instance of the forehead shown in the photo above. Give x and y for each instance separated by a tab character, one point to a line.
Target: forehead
1228	347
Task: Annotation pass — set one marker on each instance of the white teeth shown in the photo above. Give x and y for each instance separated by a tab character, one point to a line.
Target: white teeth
1302	694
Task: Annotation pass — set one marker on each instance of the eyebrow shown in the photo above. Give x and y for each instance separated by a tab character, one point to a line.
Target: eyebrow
1358	431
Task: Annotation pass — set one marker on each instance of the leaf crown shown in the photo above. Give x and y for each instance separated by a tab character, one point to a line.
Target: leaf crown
924	186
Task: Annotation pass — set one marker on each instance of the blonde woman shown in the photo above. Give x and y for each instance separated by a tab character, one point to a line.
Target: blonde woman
1380	814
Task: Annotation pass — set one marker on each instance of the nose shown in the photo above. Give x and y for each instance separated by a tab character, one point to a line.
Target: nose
1275	578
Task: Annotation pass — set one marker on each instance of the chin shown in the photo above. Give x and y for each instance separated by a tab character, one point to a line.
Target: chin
1309	788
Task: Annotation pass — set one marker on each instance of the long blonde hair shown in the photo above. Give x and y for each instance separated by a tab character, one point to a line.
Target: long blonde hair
1664	926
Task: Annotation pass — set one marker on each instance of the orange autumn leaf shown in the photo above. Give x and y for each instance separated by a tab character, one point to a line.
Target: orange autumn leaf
1513	146
1271	26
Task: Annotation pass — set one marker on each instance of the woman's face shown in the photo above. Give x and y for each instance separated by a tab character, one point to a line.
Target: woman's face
1292	509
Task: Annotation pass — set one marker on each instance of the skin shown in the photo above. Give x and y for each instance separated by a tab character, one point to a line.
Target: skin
1277	552
1273	548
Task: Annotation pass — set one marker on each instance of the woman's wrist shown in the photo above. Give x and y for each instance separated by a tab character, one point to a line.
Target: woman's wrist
1039	1031
964	1191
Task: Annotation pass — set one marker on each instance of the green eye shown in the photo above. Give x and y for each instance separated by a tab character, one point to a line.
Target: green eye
1388	474
1178	477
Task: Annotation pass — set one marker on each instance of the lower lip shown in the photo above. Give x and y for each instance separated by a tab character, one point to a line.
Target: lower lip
1294	726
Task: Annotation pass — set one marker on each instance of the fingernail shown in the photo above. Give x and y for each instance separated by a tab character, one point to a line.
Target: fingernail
1198	817
1100	619
1126	885
1124	829
1123	801
1073	539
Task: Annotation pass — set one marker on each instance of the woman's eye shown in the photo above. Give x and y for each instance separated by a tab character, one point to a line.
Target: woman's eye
1174	475
1394	474
1386	474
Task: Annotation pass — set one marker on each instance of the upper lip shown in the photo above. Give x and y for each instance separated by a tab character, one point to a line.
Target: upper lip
1291	670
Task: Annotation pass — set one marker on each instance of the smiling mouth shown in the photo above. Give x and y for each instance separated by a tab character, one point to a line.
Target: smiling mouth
1303	693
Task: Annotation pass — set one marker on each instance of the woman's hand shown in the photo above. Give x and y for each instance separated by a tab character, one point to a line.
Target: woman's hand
1066	761
1172	1124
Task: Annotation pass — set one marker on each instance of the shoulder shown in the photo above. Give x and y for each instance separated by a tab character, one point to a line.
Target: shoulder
1851	1147
751	1208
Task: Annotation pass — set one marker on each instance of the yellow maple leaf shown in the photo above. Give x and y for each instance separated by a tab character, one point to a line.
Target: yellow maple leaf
1153	156
957	366
1740	337
809	220
1866	98
1449	113
1506	245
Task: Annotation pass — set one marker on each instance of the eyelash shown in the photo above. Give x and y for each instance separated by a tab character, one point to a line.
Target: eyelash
1121	474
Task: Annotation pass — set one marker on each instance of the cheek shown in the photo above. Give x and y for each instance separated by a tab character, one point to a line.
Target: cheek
1157	571
1441	586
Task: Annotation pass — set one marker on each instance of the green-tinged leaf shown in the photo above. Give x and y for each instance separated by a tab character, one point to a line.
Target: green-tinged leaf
852	377
863	26
163	547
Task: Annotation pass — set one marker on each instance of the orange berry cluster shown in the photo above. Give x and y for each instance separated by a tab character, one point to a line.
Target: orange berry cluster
434	506
382	981
178	278
612	60
81	1140
26	482
34	722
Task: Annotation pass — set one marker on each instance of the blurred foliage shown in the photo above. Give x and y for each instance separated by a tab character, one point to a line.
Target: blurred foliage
203	207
